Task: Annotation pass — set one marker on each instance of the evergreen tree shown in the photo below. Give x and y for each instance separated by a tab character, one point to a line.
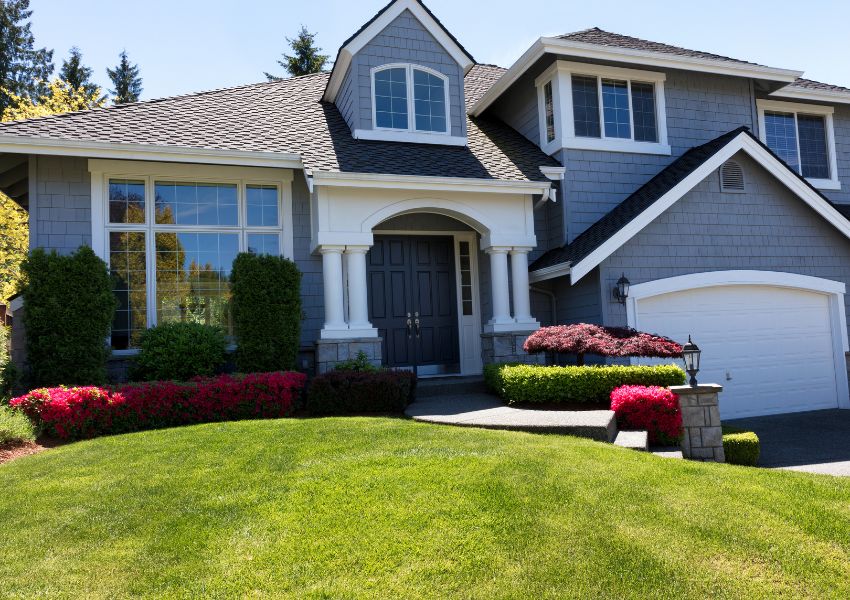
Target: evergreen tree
24	70
76	73
126	81
306	57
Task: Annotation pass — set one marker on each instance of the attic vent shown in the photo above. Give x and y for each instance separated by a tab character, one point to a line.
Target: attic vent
731	177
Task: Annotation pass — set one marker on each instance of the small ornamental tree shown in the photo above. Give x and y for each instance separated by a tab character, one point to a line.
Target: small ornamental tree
584	338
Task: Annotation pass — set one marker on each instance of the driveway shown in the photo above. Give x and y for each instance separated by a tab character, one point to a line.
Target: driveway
817	442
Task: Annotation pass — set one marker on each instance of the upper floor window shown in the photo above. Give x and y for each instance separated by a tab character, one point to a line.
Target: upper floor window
605	108
549	111
802	136
410	98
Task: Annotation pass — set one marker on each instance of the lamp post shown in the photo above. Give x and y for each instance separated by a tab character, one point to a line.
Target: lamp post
621	291
691	354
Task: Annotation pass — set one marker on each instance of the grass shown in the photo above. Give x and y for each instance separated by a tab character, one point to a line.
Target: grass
14	427
380	507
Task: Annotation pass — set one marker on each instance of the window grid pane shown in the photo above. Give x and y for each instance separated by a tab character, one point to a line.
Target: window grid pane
184	203
585	106
128	267
643	112
813	154
391	98
193	277
549	106
429	97
465	278
126	201
264	243
781	136
262	201
615	107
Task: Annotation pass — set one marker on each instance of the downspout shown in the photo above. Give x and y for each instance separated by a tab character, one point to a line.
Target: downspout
552	297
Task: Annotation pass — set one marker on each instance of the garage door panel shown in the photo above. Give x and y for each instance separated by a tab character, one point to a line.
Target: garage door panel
771	348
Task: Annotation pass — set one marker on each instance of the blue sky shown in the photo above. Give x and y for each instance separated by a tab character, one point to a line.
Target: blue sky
192	45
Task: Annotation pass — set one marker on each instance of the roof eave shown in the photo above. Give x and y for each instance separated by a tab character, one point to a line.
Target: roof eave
556	46
800	93
421	182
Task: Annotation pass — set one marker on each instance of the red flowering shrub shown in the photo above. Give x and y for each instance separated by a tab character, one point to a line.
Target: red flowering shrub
655	409
77	413
584	338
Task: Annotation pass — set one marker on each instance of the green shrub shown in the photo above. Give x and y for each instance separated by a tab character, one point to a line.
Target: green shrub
741	447
266	310
68	310
361	392
360	363
15	427
585	384
8	372
179	351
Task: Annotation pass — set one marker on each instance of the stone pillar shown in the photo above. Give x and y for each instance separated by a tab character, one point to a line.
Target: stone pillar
521	291
358	303
703	437
332	275
502	320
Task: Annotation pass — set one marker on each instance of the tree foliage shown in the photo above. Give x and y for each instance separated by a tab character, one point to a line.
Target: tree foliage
305	59
24	69
59	98
584	338
125	80
14	242
76	74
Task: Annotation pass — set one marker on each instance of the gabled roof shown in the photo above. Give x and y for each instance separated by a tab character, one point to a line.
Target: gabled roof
376	24
599	45
278	119
629	217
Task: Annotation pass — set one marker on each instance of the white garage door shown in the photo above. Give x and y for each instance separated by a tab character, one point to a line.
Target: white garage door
771	348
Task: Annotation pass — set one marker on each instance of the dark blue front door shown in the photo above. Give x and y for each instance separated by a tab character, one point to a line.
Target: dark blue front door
413	302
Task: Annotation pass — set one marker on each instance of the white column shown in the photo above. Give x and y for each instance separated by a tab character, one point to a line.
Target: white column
358	300
501	320
332	276
521	291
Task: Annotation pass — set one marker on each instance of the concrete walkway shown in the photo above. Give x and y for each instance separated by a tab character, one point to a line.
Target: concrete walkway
817	442
487	411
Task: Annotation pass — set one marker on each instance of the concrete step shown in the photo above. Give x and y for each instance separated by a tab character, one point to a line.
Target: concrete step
634	440
489	412
672	452
431	387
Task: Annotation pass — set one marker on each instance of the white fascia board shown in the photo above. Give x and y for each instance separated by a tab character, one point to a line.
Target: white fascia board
557	46
416	182
741	142
559	270
111	150
798	93
377	26
410	137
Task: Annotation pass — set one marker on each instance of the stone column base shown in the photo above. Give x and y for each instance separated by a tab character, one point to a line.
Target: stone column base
506	347
703	436
330	353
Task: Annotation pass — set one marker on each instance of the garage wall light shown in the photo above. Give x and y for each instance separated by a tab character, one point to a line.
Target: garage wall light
621	290
691	354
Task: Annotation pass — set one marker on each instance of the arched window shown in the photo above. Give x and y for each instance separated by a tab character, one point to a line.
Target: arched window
410	98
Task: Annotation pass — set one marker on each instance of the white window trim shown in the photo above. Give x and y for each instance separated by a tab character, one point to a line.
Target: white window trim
561	72
410	134
833	183
103	170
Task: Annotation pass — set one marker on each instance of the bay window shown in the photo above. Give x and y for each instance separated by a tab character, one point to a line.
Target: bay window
170	239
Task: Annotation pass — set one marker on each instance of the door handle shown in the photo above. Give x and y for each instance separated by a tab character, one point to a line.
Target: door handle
417	323
409	326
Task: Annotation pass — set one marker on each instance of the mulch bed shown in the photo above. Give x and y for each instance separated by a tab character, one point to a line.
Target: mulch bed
12	450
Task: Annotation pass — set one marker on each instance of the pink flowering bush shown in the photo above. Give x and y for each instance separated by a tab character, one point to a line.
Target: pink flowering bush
584	338
85	412
655	409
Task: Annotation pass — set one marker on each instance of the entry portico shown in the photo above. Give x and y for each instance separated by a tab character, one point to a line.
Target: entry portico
497	217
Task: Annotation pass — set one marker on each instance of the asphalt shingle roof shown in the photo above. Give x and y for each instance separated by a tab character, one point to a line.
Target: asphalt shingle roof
811	84
289	117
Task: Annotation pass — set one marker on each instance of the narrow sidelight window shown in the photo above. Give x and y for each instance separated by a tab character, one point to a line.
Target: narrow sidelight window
643	112
585	106
549	107
615	104
814	161
128	267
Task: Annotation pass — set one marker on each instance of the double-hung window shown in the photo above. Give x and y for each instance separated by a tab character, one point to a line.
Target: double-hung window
802	136
170	242
604	108
410	98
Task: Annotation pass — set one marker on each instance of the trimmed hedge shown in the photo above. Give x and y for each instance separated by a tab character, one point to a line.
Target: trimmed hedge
179	351
266	310
86	412
69	307
587	384
361	392
741	447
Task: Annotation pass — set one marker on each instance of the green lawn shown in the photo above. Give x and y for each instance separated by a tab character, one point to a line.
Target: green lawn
388	508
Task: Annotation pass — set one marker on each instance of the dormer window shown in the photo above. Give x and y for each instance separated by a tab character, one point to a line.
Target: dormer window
394	96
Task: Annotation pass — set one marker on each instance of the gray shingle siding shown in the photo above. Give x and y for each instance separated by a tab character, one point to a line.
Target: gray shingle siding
768	228
312	289
62	205
348	100
404	40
